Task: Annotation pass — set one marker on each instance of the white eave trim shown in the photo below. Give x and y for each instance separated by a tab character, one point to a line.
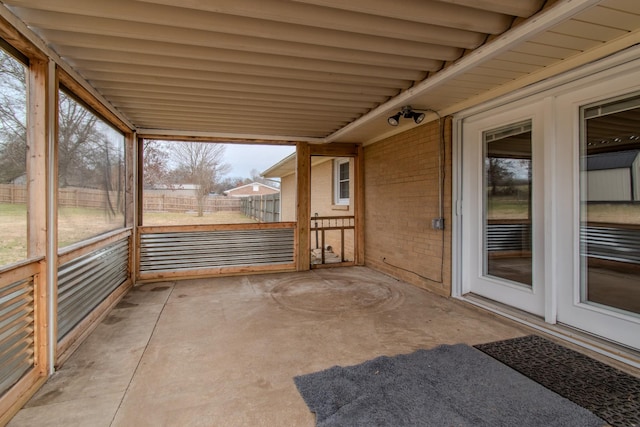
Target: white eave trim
230	137
563	10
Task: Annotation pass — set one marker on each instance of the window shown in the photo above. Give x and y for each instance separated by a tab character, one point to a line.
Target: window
341	182
91	174
13	159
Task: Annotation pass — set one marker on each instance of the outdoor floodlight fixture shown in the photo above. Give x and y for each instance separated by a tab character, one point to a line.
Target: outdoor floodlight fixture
408	113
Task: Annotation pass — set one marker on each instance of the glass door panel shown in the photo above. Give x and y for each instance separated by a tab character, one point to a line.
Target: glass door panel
610	205
502	210
508	184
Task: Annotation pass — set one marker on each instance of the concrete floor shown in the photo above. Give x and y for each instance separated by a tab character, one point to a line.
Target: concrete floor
224	351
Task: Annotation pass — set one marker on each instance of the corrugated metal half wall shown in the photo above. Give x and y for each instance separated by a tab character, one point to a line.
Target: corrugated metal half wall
207	250
16	331
84	282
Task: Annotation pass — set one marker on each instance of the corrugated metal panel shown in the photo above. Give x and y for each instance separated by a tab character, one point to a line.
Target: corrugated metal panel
508	237
86	281
179	251
16	332
610	243
613	244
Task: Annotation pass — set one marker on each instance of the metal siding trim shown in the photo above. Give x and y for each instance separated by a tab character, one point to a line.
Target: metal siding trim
85	282
188	251
609	243
16	332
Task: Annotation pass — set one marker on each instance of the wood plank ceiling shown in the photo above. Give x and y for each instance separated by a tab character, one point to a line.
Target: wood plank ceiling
318	69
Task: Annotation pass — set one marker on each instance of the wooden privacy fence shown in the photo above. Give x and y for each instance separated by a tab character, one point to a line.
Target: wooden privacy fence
264	208
324	230
182	204
10	193
97	199
67	197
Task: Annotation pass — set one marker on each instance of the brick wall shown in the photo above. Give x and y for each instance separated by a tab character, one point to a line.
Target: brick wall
401	199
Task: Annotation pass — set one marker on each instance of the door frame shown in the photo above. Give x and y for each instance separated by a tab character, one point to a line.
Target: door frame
620	64
530	299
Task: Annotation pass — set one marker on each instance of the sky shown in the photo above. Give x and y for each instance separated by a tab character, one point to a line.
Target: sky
243	158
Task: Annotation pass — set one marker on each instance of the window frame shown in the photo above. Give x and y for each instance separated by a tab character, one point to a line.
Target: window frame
337	181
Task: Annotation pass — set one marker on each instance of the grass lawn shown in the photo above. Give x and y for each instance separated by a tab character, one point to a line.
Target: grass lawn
221	217
501	208
616	213
78	224
13	229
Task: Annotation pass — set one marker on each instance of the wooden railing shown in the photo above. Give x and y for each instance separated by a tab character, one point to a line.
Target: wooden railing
321	226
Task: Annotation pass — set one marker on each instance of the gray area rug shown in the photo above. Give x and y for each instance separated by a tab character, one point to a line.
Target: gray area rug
453	385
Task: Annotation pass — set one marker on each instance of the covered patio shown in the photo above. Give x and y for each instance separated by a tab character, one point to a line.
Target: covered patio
224	351
460	142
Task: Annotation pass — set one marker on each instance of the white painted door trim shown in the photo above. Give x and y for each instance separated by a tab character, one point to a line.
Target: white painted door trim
530	299
553	93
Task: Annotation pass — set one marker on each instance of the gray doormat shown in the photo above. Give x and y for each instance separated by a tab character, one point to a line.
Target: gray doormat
446	386
611	394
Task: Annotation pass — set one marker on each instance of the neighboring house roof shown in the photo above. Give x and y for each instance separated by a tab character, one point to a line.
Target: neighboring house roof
250	190
176	187
287	166
615	160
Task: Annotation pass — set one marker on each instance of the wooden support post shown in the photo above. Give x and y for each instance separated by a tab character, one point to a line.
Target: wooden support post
303	205
37	137
37	160
359	207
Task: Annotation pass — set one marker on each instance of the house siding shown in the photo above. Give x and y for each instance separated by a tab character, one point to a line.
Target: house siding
401	199
247	190
288	198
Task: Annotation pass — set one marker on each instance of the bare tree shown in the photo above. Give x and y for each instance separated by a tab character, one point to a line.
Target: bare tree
202	164
499	174
155	159
13	118
256	177
78	144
